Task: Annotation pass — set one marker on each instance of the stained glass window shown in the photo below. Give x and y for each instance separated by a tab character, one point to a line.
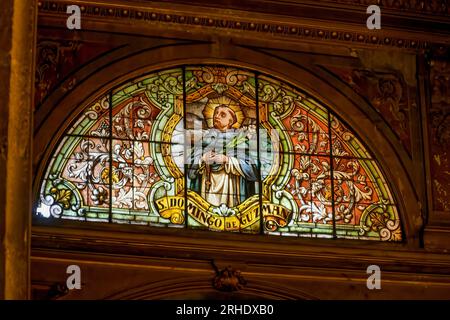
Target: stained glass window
217	148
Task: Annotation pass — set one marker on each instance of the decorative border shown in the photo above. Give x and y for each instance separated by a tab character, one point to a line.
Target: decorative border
429	7
279	29
439	135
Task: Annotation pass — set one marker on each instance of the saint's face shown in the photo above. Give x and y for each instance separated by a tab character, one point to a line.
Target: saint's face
223	118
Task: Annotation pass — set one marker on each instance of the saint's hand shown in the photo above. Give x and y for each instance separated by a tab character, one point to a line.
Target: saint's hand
220	158
207	157
211	157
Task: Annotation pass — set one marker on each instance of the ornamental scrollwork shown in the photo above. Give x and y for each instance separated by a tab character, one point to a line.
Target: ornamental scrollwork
439	130
229	280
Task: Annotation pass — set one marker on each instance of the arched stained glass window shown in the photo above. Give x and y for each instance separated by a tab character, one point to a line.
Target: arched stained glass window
217	147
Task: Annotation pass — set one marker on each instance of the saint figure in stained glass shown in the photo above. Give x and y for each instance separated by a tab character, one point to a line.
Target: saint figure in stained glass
224	168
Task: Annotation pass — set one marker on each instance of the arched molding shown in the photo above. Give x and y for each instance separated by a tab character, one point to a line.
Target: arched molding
55	114
201	288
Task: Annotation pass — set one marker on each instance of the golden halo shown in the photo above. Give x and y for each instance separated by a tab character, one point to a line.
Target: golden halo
208	111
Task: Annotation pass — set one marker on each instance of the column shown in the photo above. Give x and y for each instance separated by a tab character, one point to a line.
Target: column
17	47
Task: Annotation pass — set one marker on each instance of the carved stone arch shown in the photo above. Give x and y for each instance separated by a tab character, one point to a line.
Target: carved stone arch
346	105
201	288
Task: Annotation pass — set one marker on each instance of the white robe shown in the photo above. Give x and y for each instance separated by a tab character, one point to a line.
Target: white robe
224	187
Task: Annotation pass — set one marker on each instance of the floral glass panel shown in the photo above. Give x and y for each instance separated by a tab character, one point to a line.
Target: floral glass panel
300	179
110	162
218	148
326	178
